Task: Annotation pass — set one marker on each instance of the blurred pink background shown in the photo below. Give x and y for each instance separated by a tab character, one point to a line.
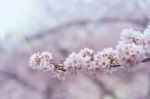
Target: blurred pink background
61	27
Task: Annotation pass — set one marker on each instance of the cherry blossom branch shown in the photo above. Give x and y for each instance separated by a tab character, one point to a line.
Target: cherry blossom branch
61	67
133	48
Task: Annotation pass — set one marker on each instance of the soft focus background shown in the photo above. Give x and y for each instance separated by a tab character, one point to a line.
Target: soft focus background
61	27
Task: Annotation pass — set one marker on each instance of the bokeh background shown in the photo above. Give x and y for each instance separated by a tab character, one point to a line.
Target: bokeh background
62	27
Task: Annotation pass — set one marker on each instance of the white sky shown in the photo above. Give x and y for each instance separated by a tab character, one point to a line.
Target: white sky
15	14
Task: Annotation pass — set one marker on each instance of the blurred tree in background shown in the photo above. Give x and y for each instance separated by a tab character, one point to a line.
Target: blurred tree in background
61	27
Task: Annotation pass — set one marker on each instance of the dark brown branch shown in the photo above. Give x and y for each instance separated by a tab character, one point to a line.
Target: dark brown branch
59	67
146	60
115	65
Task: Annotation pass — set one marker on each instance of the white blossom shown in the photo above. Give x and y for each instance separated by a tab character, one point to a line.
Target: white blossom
73	63
147	39
132	36
41	61
105	59
87	54
129	54
101	61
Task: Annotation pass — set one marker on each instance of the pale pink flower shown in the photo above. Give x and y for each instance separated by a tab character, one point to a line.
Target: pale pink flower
132	36
87	54
86	57
41	61
73	63
129	54
101	62
105	59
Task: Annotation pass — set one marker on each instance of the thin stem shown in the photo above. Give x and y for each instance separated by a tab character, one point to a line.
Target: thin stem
115	65
59	67
144	60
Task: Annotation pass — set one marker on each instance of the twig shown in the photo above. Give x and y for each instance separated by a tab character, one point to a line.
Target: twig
145	60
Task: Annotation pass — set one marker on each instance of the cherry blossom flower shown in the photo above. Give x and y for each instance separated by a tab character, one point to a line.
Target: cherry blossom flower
73	63
100	61
87	58
132	36
87	54
147	39
129	54
41	61
105	59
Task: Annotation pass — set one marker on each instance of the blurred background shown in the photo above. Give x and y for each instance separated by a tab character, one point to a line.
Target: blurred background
61	27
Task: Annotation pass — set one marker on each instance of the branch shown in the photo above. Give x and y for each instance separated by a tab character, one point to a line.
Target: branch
145	60
61	67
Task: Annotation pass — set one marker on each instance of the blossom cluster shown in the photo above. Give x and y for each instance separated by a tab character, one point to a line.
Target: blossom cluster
42	62
132	48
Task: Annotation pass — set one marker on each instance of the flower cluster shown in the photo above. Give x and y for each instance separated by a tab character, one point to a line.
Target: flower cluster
42	62
132	36
73	63
77	61
129	54
105	59
131	50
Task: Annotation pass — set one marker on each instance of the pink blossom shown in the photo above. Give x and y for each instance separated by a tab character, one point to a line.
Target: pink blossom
87	53
132	36
105	59
41	61
73	63
129	54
